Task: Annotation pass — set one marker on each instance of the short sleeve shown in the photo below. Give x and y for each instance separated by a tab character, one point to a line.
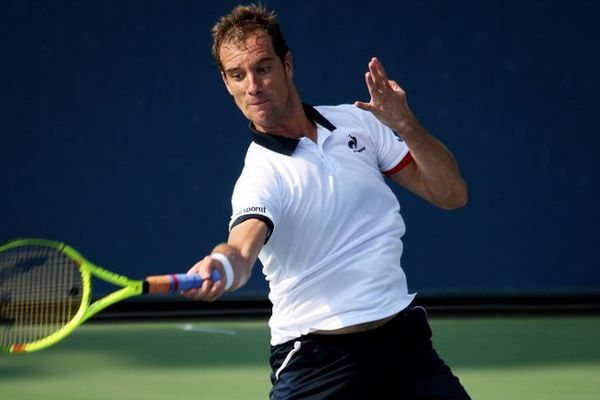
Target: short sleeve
255	195
392	152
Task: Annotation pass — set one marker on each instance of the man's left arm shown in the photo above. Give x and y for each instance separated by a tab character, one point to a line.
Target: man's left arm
434	174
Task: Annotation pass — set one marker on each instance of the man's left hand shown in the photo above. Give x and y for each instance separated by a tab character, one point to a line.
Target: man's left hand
388	100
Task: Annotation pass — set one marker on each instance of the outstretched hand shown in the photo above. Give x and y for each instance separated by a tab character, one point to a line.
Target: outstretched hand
388	100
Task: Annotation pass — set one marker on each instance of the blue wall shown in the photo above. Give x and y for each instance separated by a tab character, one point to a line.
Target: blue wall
119	138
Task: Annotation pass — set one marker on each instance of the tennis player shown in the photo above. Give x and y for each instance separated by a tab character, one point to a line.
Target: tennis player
312	203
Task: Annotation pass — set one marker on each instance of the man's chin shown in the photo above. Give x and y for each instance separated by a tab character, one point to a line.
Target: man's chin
260	118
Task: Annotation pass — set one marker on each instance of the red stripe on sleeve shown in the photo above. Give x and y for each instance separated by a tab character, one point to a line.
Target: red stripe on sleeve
403	163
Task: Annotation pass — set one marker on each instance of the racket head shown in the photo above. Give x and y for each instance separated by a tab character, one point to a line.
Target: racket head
44	293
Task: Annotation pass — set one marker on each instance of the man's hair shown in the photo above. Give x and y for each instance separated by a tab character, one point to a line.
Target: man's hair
243	21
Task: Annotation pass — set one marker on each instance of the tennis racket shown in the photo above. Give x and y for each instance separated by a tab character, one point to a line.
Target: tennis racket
46	292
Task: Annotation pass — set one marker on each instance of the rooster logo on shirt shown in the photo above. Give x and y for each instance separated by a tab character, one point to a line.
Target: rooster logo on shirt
353	144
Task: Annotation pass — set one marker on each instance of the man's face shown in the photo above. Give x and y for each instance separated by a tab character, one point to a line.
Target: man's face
257	79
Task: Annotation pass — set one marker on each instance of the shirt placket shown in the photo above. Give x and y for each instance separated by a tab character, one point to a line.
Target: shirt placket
323	136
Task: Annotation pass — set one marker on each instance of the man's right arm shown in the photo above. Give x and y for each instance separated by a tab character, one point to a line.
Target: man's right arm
242	248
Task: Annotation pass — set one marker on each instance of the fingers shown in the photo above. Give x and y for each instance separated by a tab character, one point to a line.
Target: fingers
394	85
380	88
372	92
209	291
363	106
371	86
378	75
376	80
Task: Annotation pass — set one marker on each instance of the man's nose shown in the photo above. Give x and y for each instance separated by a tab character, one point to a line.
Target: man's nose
254	84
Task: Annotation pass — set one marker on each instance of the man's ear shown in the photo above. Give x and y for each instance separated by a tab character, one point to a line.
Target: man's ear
288	65
226	82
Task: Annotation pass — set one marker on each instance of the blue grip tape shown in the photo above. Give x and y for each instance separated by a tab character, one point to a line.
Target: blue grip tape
191	281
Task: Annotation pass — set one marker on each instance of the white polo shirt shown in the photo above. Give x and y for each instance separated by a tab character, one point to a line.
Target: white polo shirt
332	257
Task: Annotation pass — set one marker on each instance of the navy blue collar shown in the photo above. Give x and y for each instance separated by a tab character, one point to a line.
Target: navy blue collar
283	145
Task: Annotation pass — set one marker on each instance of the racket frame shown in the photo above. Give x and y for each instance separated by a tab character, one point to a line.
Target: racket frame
129	288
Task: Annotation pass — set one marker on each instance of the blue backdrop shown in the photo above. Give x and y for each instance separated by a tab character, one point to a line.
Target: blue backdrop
119	138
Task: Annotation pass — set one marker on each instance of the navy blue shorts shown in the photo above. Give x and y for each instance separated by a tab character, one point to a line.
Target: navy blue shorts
394	361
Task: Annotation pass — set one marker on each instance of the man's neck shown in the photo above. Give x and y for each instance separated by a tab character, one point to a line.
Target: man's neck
295	125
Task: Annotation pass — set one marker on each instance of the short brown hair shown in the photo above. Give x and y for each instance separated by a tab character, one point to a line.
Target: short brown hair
241	22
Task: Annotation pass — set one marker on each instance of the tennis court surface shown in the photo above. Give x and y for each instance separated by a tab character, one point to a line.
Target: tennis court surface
533	358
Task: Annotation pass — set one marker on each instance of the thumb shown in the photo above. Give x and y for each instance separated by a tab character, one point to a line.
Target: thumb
363	106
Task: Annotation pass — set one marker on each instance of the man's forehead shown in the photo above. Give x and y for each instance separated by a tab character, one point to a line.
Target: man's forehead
255	43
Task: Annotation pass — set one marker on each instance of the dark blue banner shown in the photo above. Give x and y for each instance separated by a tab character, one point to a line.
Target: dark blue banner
118	136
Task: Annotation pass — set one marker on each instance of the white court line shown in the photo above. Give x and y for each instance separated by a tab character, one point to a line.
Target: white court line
205	329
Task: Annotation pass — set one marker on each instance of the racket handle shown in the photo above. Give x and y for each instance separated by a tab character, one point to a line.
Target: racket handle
176	282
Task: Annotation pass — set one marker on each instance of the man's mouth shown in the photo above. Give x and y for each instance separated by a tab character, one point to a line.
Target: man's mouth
257	103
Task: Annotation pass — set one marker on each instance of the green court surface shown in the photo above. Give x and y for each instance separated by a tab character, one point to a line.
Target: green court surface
495	358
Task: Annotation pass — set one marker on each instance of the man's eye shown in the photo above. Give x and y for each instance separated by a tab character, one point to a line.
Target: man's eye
263	70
